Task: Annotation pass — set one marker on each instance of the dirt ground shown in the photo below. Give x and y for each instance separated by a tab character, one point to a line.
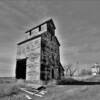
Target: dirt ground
68	92
11	91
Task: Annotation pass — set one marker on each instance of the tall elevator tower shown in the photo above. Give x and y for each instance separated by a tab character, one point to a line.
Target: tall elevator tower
38	56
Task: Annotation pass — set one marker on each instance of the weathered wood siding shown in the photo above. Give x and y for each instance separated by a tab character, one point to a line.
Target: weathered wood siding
31	50
39	30
42	53
50	58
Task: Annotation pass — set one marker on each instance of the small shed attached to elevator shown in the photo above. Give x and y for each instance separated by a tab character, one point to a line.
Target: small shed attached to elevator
38	56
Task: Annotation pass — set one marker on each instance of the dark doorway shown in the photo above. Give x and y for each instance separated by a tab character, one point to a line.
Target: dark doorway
52	73
21	69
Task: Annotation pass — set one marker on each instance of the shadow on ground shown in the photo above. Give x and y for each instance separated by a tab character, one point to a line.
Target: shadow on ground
71	81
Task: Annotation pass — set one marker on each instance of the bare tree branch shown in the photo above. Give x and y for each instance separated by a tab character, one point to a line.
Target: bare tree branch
69	68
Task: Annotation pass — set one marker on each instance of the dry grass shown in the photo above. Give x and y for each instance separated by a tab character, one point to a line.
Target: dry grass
57	92
11	92
8	90
74	93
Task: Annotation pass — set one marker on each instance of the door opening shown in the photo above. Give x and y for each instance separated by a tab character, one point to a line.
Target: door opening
21	69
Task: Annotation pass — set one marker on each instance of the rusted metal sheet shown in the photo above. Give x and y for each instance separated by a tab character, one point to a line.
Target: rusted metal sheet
31	50
32	76
25	49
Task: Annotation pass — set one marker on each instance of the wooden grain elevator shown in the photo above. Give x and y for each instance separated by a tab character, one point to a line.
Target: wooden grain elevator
38	55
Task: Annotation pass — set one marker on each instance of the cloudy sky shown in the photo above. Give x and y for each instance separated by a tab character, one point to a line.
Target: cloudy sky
77	22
